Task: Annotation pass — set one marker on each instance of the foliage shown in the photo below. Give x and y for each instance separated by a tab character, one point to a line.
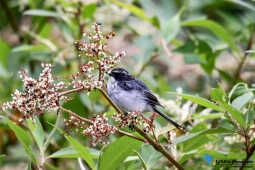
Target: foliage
197	56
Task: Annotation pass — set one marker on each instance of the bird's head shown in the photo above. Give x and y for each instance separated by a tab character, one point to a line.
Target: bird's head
119	73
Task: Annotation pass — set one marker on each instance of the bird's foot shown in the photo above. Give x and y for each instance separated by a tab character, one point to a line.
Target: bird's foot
152	118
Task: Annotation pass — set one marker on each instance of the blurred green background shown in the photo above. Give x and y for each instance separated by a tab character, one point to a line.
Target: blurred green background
171	44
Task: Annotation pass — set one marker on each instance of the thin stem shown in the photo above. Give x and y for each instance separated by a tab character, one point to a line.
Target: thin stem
154	134
78	17
165	48
52	132
132	136
153	56
149	140
90	121
240	67
183	8
159	148
4	5
156	145
75	115
71	91
249	153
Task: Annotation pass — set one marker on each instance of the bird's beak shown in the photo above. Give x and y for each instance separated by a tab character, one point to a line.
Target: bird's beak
109	73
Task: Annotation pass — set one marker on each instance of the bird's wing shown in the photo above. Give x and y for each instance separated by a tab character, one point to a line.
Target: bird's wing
133	84
126	85
136	84
151	98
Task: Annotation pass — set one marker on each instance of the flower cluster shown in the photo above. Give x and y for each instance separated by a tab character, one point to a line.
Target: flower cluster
239	138
234	139
98	59
39	95
98	130
133	118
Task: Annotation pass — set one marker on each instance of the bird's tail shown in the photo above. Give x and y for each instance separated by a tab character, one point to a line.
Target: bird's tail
169	120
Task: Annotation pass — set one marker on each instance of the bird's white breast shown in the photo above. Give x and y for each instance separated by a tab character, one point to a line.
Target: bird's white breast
131	100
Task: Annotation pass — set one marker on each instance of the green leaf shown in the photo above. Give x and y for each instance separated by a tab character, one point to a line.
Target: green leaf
217	29
236	114
186	48
5	49
187	155
2	158
209	116
195	139
29	166
3	71
86	101
89	10
218	95
43	41
206	51
201	101
242	100
243	3
136	11
23	137
83	152
224	155
225	75
65	153
117	152
42	13
249	114
51	167
141	159
193	59
52	132
37	131
170	29
189	136
21	134
185	137
238	90
150	155
31	48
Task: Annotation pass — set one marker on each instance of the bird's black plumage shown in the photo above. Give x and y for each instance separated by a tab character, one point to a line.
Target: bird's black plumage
135	89
128	82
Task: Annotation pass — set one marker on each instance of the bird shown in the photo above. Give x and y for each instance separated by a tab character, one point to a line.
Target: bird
131	94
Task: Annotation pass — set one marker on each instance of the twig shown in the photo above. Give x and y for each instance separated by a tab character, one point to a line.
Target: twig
9	15
248	156
159	148
240	66
78	17
165	48
153	56
52	132
71	91
90	121
132	136
156	145
75	115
